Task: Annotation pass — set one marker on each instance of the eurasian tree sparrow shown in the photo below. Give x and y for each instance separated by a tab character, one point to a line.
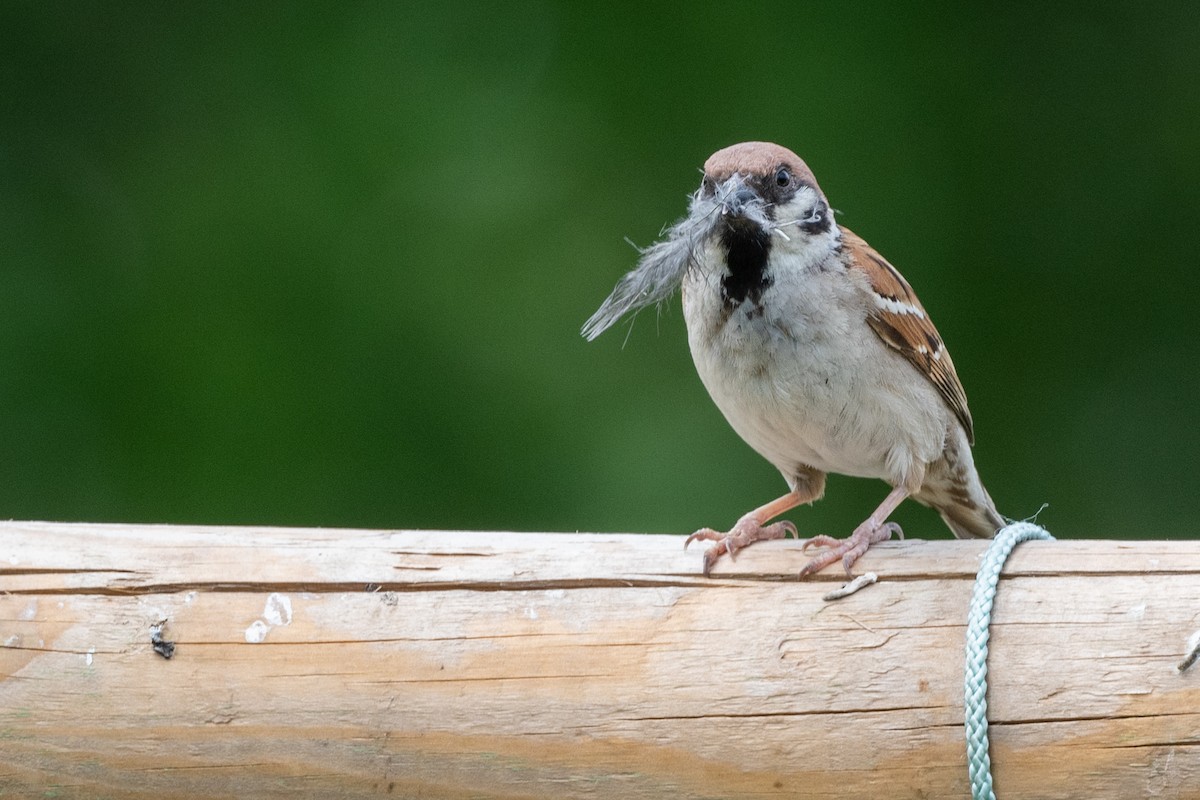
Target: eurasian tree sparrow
815	349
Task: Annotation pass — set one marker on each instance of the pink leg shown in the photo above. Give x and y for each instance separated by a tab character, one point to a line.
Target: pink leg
875	529
751	528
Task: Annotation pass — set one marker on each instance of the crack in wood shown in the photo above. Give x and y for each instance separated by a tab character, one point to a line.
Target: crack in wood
495	678
92	652
443	554
375	587
9	571
1141	745
828	712
1158	715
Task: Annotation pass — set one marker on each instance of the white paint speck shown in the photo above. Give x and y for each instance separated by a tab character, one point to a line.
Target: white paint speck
13	560
13	641
189	598
29	612
87	659
556	594
1138	611
257	632
531	612
278	610
276	613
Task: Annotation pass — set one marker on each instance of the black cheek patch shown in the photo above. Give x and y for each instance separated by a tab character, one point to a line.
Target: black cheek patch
819	220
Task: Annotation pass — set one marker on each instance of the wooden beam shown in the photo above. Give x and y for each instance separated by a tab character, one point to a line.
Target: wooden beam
348	663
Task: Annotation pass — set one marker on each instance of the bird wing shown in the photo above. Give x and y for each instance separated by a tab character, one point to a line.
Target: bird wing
899	319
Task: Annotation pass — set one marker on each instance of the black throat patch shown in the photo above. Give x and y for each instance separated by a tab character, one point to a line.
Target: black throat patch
747	247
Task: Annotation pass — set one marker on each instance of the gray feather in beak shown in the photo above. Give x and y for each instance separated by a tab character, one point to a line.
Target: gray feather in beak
662	265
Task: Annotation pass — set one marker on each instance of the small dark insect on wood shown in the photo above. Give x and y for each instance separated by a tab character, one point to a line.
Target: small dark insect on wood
164	648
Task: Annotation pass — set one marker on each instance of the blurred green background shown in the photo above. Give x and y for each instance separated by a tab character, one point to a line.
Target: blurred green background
326	265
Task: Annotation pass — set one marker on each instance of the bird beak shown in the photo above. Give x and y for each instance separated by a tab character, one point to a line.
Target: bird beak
735	196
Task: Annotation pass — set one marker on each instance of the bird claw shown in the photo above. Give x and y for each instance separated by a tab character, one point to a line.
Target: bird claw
724	544
746	532
849	549
704	534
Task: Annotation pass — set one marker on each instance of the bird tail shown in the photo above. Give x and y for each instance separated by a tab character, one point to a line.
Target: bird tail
975	521
952	488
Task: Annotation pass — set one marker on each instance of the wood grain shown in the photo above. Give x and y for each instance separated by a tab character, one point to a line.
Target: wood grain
436	664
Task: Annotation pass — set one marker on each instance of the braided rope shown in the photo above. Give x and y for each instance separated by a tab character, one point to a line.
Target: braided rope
979	763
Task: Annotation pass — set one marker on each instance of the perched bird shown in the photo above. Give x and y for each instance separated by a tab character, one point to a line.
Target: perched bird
815	349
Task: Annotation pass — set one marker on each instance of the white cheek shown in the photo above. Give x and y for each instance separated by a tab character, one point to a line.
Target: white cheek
810	249
803	209
807	206
803	203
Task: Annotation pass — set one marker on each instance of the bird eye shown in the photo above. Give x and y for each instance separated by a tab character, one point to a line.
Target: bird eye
782	177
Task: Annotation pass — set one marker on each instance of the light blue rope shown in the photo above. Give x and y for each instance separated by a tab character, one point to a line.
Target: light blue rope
979	763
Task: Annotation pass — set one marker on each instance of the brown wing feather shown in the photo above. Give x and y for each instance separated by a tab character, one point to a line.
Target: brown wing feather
911	334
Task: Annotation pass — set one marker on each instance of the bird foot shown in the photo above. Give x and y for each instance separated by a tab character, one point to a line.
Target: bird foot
746	532
850	548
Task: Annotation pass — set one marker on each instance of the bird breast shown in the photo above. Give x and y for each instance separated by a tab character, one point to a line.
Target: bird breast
802	378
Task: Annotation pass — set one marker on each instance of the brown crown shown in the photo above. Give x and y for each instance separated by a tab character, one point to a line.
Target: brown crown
757	158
